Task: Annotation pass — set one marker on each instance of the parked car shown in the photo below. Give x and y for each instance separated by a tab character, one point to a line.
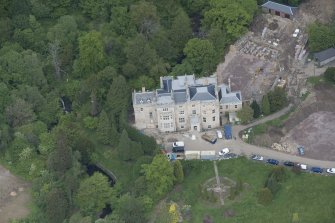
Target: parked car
331	170
257	157
209	138
229	156
223	151
272	161
178	147
301	150
302	166
289	163
296	32
316	170
219	134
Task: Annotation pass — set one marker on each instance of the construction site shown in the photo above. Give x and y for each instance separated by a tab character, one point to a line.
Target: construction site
274	53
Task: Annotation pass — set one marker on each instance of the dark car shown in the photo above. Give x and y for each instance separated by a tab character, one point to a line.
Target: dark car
316	170
273	161
229	156
289	163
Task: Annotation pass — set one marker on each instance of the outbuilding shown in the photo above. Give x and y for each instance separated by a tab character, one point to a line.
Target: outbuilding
324	57
275	8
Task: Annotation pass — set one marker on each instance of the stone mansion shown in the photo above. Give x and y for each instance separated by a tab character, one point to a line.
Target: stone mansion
185	103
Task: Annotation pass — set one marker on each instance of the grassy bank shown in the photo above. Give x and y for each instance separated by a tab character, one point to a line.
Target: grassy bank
311	196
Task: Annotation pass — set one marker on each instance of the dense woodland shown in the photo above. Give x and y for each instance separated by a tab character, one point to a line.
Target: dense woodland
94	53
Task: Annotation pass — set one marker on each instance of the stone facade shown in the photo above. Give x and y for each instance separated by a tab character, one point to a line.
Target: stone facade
184	103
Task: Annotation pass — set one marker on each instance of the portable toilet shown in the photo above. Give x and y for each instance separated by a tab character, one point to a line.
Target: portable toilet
227	131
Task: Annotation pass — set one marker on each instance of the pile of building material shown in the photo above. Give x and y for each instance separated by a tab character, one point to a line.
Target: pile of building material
282	147
247	45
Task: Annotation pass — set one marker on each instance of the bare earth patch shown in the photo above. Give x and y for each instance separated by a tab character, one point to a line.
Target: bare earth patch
14	197
316	133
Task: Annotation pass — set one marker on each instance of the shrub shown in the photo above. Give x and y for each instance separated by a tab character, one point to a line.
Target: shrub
265	196
279	173
330	74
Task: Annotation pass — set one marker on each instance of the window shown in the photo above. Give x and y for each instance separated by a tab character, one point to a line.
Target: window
209	126
181	112
221	107
226	106
166	125
150	114
214	119
141	109
204	119
235	106
181	119
193	105
194	112
213	111
166	117
181	126
165	109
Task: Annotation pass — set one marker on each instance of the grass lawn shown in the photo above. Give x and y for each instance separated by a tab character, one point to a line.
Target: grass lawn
311	196
315	80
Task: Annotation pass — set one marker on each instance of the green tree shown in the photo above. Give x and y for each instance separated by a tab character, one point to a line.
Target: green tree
231	16
57	206
124	147
19	113
256	108
265	196
265	105
180	31
118	96
330	74
245	114
201	55
96	9
93	194
320	37
121	21
104	129
130	209
159	176
60	159
277	99
178	171
144	16
140	57
91	53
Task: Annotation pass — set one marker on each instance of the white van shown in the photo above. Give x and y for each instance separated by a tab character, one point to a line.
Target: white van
178	147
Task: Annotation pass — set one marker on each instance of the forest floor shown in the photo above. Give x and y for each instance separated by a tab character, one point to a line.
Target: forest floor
14	196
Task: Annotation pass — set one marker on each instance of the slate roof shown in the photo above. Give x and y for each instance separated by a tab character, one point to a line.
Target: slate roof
180	96
325	54
202	93
279	7
144	97
226	96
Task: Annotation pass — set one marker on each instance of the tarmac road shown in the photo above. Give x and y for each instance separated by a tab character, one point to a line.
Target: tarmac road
239	147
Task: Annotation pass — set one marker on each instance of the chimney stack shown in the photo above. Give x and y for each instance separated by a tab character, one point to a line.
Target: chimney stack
229	84
143	89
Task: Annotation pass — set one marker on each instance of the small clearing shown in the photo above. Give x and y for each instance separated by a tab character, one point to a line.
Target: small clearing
14	196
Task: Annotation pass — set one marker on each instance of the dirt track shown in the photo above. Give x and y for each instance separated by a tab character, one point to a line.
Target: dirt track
14	197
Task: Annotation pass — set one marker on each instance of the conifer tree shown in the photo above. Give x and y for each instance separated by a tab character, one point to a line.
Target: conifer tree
104	129
265	105
257	110
124	147
178	171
